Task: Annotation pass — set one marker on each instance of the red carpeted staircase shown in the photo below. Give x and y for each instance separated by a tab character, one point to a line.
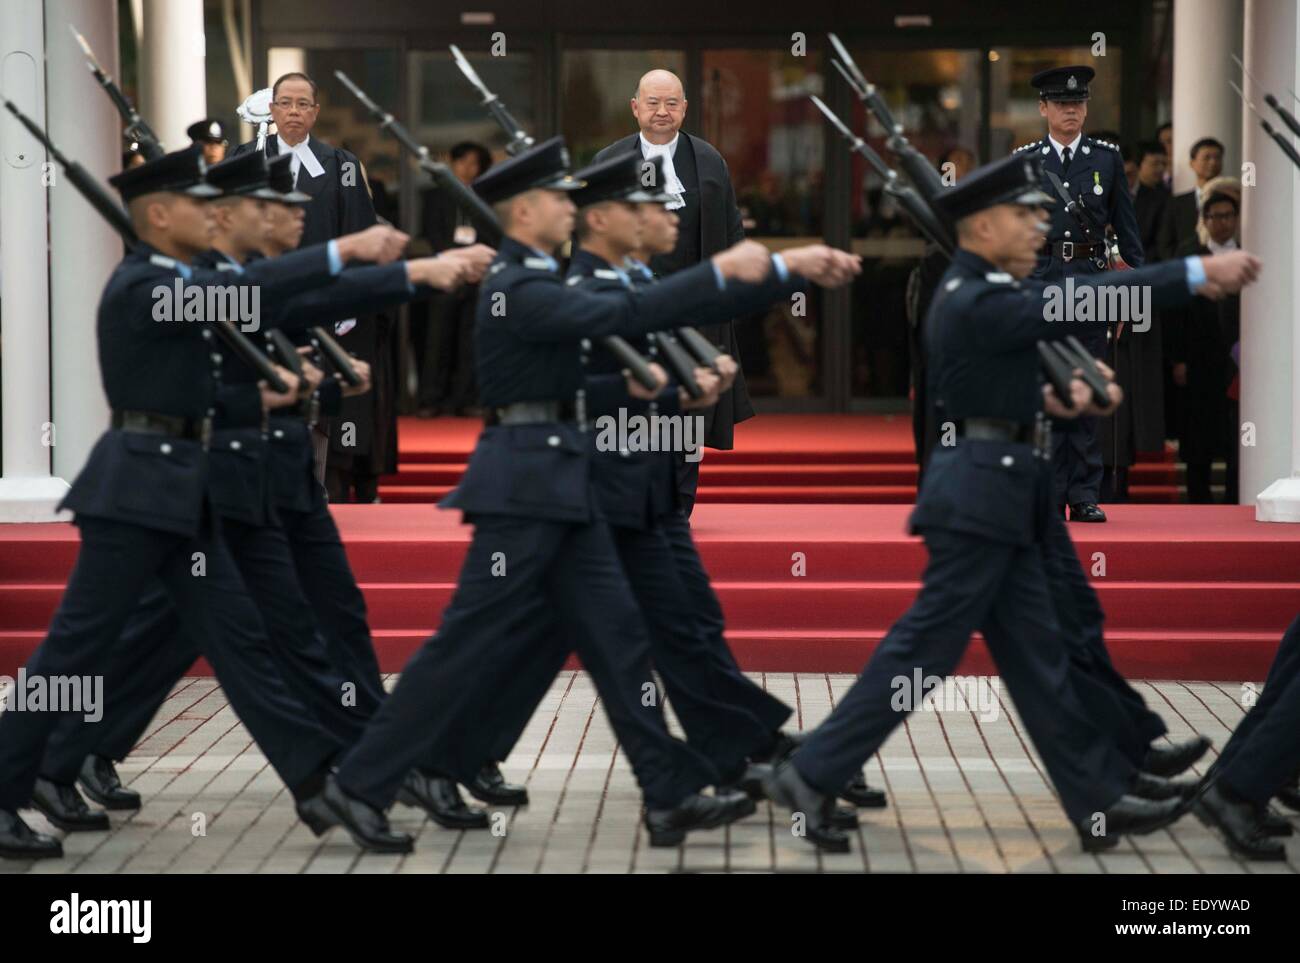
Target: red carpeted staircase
1190	592
778	459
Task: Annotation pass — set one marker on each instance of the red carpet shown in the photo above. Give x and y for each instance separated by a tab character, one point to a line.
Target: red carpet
779	459
1190	592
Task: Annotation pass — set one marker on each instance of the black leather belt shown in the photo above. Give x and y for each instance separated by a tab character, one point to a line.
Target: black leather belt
995	429
1072	251
532	413
156	423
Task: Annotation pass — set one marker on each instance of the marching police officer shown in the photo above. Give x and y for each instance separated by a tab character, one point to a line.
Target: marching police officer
1085	178
154	651
986	566
538	534
635	482
141	501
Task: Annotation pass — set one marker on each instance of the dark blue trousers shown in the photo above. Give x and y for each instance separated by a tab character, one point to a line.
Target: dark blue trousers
154	652
1113	705
973	583
702	693
1263	754
450	688
115	565
335	598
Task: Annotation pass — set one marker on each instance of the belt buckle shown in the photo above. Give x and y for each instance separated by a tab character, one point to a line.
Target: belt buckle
1067	250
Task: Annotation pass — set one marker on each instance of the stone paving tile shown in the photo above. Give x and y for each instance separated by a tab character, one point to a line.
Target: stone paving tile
967	792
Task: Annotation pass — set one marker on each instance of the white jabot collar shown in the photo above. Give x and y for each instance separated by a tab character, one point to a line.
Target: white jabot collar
302	157
672	183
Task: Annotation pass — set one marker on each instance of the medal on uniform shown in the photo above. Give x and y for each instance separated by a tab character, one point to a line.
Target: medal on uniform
1096	182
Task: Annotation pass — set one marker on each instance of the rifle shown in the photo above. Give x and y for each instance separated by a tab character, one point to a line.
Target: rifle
909	199
333	352
111	211
916	165
485	222
517	142
137	129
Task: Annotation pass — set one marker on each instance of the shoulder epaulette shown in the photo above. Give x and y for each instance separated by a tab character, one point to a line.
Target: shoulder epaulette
573	279
162	260
1030	146
1104	143
537	263
605	274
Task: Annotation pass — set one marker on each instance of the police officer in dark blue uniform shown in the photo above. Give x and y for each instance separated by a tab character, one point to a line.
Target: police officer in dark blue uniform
538	533
986	568
141	501
155	650
635	482
1085	178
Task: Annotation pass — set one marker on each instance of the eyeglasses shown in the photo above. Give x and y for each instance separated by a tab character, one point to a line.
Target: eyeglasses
1221	216
302	105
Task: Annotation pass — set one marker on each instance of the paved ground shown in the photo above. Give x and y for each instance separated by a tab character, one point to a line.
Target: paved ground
966	792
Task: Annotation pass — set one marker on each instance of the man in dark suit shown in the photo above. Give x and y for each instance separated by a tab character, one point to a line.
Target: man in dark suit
709	222
1184	210
1151	196
1200	338
446	349
341	204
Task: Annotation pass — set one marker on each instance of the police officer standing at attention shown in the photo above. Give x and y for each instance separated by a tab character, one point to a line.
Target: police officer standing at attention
982	510
1085	179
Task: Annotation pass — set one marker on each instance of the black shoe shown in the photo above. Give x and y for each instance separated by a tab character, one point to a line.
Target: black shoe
844	817
787	788
1238	822
1274	823
1147	786
64	807
1289	796
1175	758
1086	512
1129	816
668	827
440	798
750	782
99	781
367	826
20	841
862	795
316	813
490	786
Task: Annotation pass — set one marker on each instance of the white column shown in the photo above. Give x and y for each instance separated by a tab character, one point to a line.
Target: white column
28	492
1205	33
173	87
83	248
1270	315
